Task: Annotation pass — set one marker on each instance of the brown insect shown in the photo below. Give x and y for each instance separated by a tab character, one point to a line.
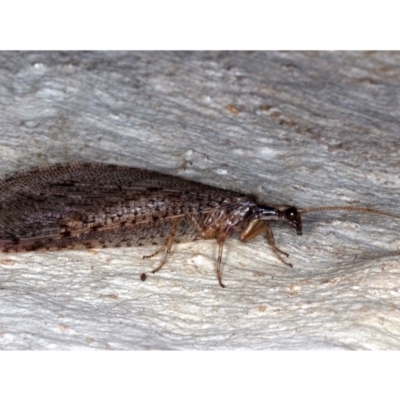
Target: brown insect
86	205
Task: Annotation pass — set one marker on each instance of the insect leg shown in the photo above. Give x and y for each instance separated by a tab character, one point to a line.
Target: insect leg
271	242
168	243
255	228
220	242
158	251
210	234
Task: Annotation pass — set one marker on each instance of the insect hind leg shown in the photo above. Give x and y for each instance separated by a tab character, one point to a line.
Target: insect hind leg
167	246
220	242
158	251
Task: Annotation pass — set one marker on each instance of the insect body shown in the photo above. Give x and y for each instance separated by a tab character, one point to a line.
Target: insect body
87	205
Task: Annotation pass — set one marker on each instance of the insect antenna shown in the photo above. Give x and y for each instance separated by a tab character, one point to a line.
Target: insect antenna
347	208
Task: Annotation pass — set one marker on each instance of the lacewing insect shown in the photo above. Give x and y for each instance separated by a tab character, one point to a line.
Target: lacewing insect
87	205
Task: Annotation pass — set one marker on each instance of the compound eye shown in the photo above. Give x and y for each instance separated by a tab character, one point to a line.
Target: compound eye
293	217
291	214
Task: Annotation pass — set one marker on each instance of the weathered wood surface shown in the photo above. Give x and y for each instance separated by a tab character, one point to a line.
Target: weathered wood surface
299	128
